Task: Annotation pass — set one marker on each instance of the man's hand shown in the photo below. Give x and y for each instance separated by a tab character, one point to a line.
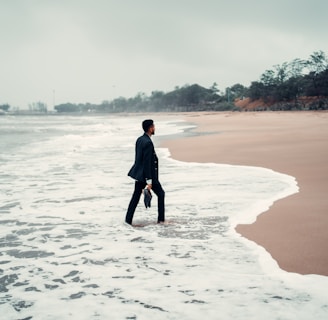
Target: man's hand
149	186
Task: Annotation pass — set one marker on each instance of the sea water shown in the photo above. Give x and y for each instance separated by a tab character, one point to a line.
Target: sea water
66	252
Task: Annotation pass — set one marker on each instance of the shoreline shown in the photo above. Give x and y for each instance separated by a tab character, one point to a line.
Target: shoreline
294	229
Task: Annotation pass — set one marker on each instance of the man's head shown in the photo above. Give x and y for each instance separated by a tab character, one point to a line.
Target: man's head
148	126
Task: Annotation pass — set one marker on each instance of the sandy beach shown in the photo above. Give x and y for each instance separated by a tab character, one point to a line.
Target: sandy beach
294	229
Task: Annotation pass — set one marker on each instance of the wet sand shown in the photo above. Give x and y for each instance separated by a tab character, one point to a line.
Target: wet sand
294	229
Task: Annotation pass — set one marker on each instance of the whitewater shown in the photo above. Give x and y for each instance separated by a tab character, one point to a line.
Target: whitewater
66	252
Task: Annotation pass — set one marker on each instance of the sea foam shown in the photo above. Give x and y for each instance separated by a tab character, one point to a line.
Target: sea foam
66	252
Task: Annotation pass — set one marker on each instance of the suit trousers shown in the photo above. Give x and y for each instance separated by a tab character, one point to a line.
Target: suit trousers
138	188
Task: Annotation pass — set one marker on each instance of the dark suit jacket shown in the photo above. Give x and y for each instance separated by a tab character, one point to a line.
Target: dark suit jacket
146	162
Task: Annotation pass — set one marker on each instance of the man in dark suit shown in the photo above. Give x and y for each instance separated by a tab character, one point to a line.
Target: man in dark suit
145	172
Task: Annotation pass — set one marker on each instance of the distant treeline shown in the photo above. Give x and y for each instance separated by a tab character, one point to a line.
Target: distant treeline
296	85
299	84
187	98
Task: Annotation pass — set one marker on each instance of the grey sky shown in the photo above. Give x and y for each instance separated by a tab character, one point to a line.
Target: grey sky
95	50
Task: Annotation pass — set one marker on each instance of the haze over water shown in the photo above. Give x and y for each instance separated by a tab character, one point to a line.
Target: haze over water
66	252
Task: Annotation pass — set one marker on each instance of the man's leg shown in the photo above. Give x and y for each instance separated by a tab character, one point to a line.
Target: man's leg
138	187
160	193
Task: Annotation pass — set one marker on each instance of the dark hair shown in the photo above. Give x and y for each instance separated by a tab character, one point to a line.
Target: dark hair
146	124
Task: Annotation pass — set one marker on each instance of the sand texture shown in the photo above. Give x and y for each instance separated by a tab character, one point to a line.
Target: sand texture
294	229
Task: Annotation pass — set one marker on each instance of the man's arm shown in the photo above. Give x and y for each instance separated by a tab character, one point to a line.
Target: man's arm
147	163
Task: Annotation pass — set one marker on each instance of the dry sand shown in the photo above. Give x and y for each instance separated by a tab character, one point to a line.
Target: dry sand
295	229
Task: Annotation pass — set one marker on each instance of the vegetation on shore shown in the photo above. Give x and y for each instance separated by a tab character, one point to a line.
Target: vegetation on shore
300	84
296	85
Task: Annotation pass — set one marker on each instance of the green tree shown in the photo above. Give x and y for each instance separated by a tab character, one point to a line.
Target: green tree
256	90
67	107
156	100
317	65
268	78
237	91
296	68
281	73
5	107
120	104
317	62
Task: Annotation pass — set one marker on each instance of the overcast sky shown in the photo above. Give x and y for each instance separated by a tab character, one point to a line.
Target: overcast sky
94	50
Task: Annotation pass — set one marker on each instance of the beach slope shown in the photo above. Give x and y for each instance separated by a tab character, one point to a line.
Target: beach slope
294	229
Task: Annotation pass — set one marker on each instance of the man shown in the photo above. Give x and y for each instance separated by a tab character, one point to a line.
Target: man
145	172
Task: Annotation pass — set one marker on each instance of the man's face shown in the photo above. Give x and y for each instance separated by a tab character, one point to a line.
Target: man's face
152	129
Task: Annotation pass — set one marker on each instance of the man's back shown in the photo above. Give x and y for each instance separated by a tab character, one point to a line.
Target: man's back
143	167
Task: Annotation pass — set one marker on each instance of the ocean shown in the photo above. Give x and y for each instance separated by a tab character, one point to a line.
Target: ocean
66	252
